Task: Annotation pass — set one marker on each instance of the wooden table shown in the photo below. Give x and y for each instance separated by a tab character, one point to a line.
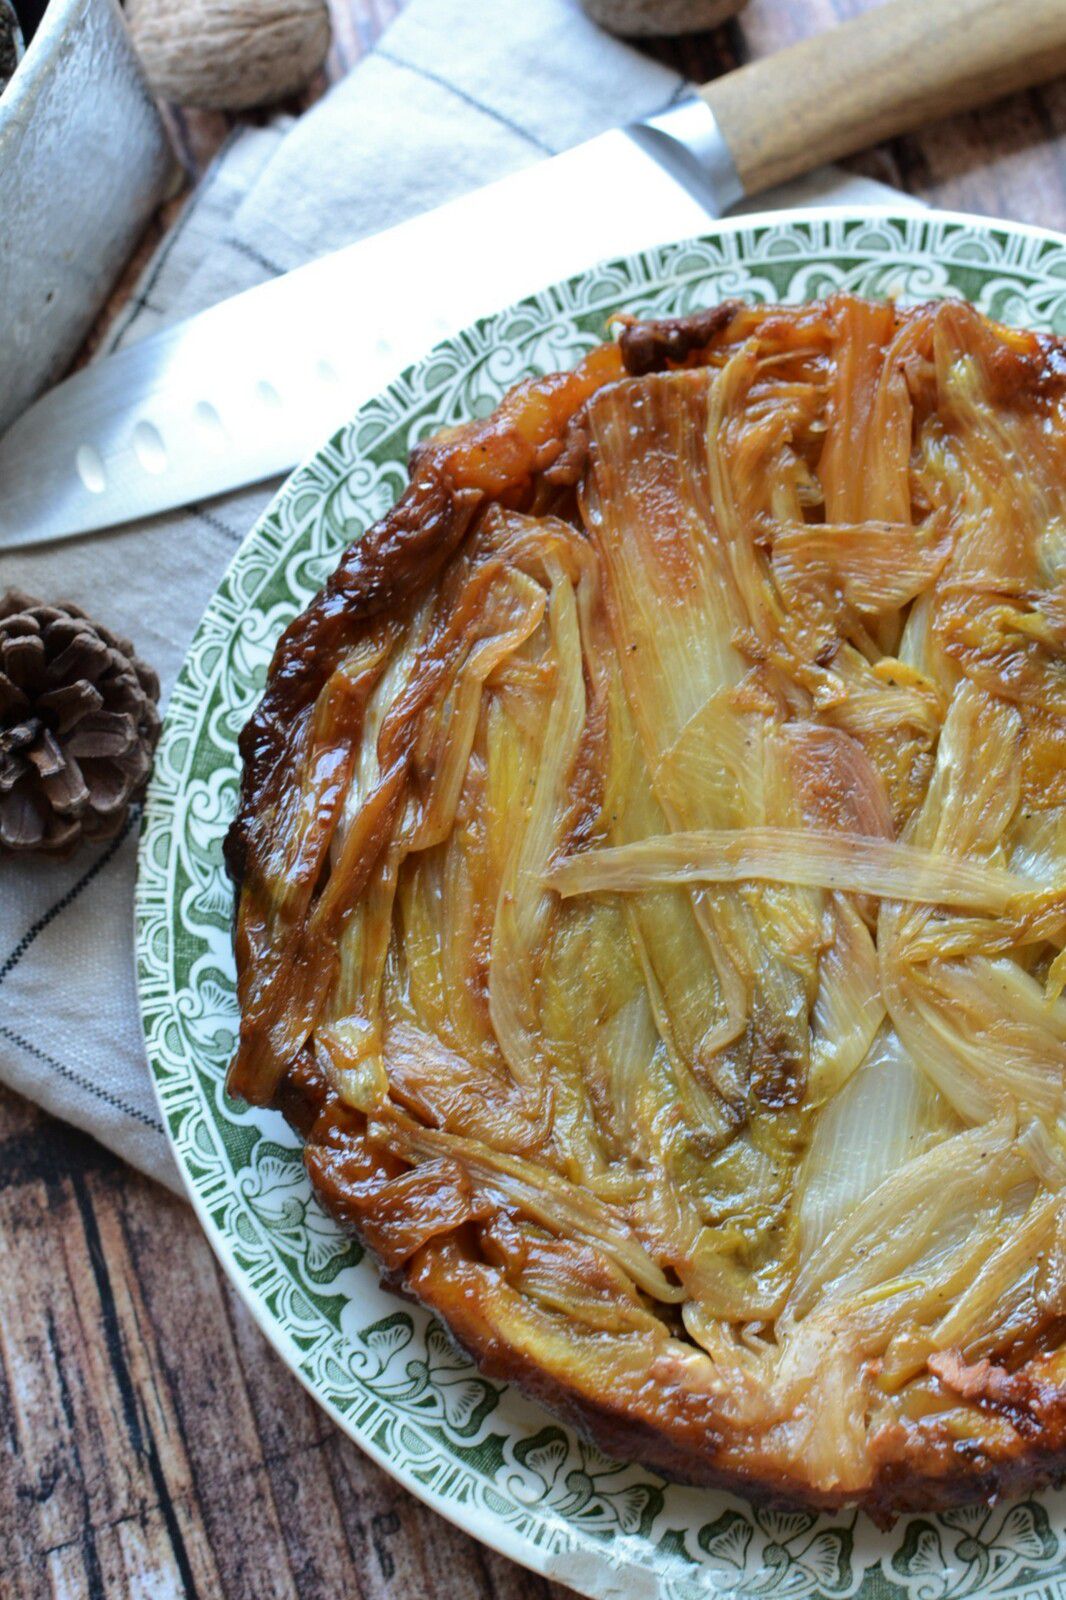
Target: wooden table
159	1449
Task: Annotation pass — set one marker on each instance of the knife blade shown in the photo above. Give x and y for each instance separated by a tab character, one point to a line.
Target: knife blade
243	391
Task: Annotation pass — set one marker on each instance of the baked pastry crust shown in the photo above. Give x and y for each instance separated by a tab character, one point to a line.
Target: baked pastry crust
651	908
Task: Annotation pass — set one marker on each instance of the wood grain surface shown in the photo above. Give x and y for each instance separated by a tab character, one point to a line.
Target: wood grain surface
156	1449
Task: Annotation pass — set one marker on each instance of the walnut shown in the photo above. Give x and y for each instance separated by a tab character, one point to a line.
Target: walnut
661	16
228	55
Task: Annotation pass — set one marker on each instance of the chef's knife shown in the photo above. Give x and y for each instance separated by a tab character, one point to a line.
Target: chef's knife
244	390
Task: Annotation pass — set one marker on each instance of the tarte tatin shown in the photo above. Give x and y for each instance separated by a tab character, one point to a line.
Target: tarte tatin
652	864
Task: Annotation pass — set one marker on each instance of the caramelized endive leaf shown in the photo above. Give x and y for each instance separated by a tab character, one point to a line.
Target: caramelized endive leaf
654	896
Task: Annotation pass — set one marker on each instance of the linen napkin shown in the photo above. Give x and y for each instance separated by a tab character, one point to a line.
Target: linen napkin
457	93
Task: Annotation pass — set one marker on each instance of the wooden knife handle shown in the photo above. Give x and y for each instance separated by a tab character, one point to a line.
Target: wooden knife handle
902	64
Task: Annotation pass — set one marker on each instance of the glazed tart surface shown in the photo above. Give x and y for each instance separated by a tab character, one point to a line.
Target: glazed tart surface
653	897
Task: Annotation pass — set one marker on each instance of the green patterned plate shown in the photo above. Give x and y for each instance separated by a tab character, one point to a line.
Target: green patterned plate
475	1450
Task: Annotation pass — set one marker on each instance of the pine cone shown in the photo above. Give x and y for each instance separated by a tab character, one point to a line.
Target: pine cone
78	725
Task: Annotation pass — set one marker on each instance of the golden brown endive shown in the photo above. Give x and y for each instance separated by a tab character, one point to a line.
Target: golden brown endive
652	863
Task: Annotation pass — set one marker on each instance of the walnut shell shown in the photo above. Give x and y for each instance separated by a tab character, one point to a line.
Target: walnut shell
661	16
229	55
